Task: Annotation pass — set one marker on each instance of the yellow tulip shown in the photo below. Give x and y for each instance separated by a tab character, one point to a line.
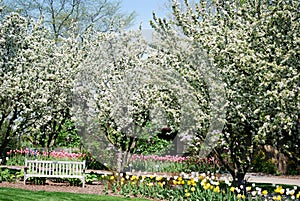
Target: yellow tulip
279	189
264	192
241	196
160	184
217	189
134	177
150	184
277	198
207	186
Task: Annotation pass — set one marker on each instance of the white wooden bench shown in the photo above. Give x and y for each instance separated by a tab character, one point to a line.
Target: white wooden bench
54	169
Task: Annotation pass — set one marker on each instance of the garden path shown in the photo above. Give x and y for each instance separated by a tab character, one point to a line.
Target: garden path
265	178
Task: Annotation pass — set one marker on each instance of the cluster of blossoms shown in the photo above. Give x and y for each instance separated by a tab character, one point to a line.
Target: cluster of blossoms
195	186
45	154
166	158
64	154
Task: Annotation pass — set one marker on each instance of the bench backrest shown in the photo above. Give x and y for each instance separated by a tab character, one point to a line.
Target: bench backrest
55	167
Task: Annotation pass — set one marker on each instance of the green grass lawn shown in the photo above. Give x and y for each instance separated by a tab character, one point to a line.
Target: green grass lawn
11	194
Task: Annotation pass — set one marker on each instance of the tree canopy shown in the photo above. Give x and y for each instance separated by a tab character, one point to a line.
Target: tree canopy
36	79
255	47
130	93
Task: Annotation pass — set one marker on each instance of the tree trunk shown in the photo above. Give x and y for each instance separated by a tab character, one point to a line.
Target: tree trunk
237	177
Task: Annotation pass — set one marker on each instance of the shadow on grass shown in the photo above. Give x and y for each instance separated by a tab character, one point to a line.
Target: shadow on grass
11	194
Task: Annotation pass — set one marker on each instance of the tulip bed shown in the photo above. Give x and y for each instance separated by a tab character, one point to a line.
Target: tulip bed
169	163
17	157
193	187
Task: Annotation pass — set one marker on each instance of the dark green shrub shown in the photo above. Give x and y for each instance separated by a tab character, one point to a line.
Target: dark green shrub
68	136
7	175
261	164
293	168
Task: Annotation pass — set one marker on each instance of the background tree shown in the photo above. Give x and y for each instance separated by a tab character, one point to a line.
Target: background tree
255	46
60	16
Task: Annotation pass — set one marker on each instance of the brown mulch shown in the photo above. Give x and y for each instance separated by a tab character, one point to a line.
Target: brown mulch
56	187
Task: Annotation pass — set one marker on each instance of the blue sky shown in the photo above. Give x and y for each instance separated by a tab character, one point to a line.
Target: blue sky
143	9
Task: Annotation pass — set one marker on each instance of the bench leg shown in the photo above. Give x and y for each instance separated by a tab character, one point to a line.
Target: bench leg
83	182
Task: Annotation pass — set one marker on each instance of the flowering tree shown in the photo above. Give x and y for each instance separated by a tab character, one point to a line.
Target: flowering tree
255	47
36	79
116	96
129	92
202	110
